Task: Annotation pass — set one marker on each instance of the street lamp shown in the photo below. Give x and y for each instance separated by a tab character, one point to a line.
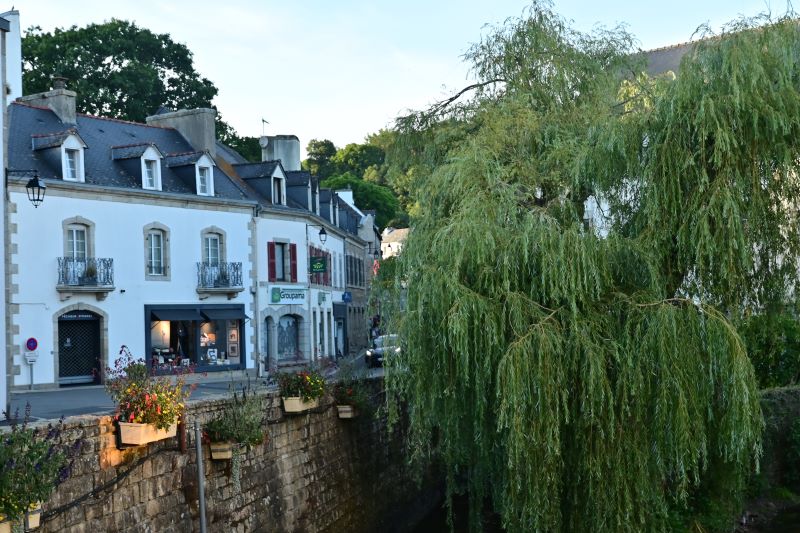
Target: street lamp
36	189
323	235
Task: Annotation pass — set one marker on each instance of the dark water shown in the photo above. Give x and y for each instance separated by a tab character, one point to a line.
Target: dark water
787	521
437	521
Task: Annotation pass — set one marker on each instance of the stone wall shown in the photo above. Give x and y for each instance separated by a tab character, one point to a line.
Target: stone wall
316	472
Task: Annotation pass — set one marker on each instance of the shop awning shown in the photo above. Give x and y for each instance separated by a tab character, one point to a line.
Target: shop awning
224	314
176	314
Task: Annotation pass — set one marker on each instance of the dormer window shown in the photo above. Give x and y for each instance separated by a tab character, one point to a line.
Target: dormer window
204	185
72	159
150	180
151	168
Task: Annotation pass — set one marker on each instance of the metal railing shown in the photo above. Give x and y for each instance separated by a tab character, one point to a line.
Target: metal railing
212	275
89	272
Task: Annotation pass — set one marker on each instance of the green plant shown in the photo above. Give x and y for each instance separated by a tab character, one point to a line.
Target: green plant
308	384
241	421
773	345
33	462
792	470
144	398
90	272
351	388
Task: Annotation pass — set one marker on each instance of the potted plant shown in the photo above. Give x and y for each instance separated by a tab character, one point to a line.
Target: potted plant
240	423
350	392
148	405
89	275
35	461
301	390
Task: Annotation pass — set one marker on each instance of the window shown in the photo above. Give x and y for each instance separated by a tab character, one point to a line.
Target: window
204	181
72	165
211	248
155	253
282	261
151	180
76	243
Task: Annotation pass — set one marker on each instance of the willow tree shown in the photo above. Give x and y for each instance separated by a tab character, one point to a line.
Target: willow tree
583	379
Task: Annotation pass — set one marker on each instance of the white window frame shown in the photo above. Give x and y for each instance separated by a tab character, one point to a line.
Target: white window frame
207	240
280	183
72	145
72	241
205	162
284	273
152	264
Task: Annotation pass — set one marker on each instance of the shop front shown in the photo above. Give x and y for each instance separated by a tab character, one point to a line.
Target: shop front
209	337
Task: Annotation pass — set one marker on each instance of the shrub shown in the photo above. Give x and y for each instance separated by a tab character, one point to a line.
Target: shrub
32	464
773	344
241	421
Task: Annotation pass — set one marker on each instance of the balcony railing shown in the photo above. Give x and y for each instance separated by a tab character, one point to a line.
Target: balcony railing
219	275
90	272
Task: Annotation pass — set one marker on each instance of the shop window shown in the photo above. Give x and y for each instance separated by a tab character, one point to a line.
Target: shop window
219	343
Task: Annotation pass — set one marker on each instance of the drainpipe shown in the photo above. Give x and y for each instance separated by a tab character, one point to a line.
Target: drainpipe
256	315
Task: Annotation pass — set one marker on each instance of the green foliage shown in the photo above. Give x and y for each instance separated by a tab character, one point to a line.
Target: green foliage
352	387
34	462
773	344
123	71
117	68
242	420
368	196
594	381
320	154
357	159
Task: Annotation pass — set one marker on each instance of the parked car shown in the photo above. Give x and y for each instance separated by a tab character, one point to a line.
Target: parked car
381	346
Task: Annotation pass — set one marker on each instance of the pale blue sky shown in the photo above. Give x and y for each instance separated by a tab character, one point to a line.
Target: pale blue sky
343	69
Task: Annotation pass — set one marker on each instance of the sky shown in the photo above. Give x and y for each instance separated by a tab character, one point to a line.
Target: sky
343	69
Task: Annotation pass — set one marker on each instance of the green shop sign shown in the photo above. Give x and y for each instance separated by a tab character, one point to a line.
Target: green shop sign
319	264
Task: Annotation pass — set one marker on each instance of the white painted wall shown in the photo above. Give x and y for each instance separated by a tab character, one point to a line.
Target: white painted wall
38	242
13	57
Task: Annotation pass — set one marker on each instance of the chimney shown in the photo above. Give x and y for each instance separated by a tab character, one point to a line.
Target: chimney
197	125
59	99
283	147
13	56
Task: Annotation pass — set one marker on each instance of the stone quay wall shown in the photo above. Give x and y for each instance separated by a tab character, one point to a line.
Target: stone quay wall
315	472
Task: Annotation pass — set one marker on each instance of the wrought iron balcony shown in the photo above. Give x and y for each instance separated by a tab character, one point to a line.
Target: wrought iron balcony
90	275
219	276
90	272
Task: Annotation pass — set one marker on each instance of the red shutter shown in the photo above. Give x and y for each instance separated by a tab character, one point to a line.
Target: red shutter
328	270
293	262
271	261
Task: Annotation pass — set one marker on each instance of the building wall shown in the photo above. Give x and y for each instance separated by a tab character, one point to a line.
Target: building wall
37	241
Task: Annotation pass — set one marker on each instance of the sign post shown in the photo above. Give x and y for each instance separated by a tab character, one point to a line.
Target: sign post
31	355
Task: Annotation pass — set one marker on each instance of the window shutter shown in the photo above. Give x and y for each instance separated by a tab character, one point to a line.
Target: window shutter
328	270
293	262
271	261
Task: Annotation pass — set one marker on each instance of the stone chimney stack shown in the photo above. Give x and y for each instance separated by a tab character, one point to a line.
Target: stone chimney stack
283	147
197	125
13	56
59	99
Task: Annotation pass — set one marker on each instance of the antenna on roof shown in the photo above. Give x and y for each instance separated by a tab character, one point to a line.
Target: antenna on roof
263	122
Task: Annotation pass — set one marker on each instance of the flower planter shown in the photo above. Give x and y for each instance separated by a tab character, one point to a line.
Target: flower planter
295	404
221	451
138	434
347	411
33	517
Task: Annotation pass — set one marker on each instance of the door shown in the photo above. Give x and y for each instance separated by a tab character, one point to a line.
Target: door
339	338
78	348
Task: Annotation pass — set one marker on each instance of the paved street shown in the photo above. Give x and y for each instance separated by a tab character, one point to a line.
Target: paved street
74	401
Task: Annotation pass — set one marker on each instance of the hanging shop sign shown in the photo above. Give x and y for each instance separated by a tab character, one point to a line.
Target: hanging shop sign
319	265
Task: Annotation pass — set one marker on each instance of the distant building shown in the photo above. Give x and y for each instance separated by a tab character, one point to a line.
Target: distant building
392	240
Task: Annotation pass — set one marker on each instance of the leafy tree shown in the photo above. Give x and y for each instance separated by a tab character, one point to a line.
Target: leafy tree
320	154
586	380
357	158
117	68
367	196
123	71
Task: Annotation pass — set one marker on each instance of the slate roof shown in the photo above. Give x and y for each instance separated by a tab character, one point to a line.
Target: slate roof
662	60
182	159
50	140
100	135
297	177
229	154
131	151
263	169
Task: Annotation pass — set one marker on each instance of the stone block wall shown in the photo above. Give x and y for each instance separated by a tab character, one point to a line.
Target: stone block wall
315	472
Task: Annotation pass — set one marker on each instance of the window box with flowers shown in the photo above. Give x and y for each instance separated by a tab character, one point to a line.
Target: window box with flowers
351	392
301	391
33	462
148	406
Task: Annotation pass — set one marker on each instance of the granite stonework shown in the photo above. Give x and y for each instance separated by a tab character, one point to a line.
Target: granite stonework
316	472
